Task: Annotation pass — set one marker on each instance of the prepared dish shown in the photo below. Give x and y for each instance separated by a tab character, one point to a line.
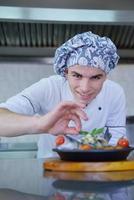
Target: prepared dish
88	140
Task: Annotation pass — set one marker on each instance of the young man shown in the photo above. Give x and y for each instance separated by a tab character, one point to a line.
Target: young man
82	64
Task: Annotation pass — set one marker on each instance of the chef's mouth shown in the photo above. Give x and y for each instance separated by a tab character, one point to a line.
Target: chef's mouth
85	96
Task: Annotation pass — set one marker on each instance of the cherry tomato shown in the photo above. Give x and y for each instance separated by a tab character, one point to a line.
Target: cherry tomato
59	196
123	142
85	147
59	140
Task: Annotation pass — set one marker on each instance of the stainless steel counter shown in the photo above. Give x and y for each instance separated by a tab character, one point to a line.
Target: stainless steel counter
18	150
25	179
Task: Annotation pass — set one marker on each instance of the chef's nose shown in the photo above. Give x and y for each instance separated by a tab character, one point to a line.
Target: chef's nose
85	85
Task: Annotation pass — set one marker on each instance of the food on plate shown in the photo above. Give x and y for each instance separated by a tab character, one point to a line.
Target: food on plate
85	147
60	139
89	140
123	142
59	196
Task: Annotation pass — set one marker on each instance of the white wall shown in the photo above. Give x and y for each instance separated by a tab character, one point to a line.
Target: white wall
15	76
124	75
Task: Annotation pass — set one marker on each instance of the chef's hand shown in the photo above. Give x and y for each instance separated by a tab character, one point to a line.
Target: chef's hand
57	121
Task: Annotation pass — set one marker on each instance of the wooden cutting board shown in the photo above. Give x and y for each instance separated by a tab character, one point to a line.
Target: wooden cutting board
69	166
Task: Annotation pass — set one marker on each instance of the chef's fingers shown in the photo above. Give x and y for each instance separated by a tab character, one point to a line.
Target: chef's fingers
74	108
77	123
71	130
80	113
71	104
64	107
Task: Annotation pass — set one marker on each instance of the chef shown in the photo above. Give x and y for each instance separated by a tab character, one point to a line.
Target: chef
80	95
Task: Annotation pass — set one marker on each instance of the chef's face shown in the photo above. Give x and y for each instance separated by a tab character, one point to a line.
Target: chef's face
85	82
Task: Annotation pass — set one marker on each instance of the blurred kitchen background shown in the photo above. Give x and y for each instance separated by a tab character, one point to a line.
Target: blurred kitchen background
30	31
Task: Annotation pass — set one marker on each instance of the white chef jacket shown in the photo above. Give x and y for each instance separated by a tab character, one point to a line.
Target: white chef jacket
107	109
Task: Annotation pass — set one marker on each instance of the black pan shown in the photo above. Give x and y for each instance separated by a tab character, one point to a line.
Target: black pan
94	155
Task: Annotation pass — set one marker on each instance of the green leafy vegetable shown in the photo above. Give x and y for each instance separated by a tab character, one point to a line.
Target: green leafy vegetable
97	131
84	132
93	132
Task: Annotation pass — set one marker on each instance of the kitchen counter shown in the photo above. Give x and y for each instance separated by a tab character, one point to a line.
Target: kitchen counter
25	179
18	150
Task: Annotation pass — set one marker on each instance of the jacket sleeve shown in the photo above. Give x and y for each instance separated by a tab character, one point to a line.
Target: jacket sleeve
28	101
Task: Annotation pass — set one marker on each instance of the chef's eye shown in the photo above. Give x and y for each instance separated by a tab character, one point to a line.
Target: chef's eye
96	77
77	75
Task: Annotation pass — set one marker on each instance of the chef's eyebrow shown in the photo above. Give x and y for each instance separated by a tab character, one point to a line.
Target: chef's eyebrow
94	76
73	72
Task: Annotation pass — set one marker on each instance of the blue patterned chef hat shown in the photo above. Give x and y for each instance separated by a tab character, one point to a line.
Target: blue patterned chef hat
86	49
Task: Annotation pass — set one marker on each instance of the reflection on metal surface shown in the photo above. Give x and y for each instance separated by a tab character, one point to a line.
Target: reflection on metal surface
42	39
92	190
91	176
70	15
89	186
18	150
37	28
18	147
